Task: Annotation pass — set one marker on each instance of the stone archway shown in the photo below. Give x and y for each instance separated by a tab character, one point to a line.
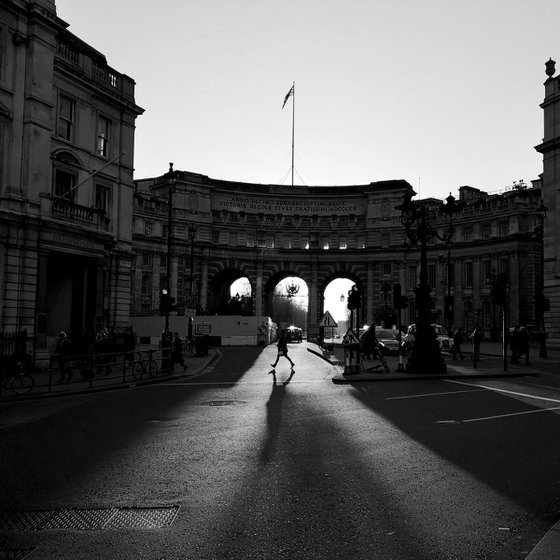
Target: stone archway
220	300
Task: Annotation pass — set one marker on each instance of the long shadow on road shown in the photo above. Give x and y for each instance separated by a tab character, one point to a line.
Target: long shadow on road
506	444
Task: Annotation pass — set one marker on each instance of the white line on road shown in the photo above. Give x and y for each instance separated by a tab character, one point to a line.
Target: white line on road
434	394
498	416
505	391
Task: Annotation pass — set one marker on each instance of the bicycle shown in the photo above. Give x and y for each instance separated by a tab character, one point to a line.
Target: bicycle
18	380
146	365
189	348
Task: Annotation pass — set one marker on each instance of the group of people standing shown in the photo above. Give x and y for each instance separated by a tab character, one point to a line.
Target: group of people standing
518	341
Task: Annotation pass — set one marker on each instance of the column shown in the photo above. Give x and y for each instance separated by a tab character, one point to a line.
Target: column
369	318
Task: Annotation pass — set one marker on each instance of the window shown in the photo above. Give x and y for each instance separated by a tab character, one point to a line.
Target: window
487	273
148	228
486	231
432	275
64	183
467	233
147	260
66	117
102	198
504	265
412	276
468	274
146	283
504	228
386	269
103	135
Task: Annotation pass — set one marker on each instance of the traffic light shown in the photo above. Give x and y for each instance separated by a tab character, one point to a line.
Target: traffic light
354	298
498	293
399	301
166	302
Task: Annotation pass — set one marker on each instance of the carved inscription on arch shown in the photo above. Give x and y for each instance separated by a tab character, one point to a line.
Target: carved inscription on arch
235	203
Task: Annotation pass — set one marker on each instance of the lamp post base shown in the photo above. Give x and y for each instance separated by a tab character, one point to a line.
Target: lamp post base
426	354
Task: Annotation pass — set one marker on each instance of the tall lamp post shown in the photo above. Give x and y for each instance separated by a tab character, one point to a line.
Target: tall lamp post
426	353
542	302
166	338
192	237
450	208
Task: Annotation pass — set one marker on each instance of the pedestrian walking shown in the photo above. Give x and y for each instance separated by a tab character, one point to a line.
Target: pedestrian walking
457	341
282	349
63	350
177	352
476	338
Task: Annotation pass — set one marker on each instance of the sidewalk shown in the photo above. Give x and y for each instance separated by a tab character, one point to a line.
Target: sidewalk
120	377
455	369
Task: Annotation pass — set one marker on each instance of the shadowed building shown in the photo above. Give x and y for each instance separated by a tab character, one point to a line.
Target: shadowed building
224	230
66	163
550	150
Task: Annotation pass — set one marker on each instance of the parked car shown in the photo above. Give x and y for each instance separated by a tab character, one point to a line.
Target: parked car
295	334
445	341
387	340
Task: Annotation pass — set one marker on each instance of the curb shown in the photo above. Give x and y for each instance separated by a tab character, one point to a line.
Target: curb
548	546
341	379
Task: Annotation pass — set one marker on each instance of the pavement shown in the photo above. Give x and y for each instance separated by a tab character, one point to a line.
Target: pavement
120	377
490	365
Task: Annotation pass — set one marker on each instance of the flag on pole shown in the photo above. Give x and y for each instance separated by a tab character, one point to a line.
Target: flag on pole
291	92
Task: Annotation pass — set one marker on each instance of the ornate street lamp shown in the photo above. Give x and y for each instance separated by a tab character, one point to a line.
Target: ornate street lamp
542	302
171	179
426	353
292	289
450	208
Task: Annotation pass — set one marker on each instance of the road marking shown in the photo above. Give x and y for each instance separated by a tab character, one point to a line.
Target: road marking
434	394
505	391
470	420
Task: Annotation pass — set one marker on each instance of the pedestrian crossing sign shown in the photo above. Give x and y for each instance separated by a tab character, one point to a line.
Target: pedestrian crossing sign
328	321
350	338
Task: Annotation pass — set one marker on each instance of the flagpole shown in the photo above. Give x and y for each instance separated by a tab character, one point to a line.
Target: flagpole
293	125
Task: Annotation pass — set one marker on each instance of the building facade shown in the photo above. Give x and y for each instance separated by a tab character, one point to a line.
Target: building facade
223	230
66	162
550	150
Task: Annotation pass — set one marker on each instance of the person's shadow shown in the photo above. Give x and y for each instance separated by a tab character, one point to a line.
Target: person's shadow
274	416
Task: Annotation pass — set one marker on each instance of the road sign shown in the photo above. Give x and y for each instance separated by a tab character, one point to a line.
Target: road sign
202	328
328	321
350	338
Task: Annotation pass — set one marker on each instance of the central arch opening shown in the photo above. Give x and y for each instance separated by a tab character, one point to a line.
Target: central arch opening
290	302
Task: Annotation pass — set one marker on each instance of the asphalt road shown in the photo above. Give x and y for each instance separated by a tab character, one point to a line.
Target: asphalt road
289	466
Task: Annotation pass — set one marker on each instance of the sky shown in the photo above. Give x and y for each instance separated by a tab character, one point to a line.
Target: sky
440	93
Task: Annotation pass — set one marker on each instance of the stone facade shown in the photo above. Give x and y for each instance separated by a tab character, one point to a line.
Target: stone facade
550	150
66	163
269	232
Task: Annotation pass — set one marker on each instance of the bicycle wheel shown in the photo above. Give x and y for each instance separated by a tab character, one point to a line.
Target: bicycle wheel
22	384
138	370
